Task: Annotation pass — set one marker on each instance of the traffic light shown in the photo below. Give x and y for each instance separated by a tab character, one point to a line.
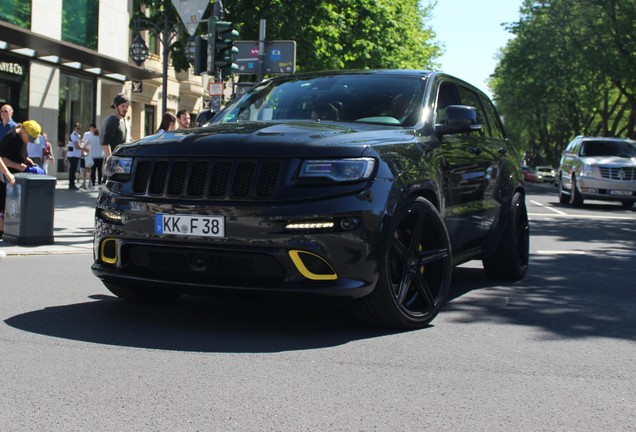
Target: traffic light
214	51
224	37
200	55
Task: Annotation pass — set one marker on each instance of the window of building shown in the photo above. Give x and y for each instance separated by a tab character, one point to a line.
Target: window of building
79	23
149	120
77	97
16	12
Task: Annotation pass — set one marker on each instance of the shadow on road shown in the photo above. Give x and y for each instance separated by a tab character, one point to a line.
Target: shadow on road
580	291
584	294
199	324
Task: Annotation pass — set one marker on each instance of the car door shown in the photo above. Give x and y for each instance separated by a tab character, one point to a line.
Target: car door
466	175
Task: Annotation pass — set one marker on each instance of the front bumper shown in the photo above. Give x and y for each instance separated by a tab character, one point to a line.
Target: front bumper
257	253
607	189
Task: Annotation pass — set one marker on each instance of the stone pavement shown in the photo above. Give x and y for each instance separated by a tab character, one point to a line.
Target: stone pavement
73	223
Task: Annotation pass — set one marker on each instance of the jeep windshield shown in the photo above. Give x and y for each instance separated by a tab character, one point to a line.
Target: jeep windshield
378	99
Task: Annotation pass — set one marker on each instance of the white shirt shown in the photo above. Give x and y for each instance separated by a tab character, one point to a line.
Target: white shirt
35	150
95	147
73	143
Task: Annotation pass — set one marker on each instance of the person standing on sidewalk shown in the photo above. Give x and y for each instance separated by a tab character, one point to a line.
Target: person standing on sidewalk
7	124
114	130
75	149
13	151
97	153
47	153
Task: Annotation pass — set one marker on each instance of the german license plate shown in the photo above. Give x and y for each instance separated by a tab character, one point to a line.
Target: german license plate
190	225
621	193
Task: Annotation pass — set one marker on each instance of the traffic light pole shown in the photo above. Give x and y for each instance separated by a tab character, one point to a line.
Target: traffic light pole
261	48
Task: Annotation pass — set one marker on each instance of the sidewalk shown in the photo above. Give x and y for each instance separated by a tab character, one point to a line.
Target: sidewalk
73	224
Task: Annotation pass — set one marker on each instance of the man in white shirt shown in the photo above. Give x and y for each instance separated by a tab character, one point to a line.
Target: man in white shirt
74	155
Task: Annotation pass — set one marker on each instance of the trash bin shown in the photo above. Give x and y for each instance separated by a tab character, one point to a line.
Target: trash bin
29	209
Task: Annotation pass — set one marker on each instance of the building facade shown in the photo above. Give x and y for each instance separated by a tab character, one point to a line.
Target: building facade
63	62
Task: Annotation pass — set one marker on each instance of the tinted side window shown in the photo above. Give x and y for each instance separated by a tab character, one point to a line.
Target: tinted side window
470	98
446	95
494	121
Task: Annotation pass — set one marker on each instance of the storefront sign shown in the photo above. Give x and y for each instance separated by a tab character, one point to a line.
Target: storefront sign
11	68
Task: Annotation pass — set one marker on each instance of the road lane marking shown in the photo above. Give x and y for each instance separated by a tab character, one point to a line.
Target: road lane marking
549	208
590	252
575	216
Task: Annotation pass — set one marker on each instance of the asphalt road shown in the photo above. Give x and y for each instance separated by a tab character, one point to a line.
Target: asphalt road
554	352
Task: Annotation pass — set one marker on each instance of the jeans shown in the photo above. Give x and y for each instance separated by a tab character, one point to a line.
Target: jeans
73	163
96	169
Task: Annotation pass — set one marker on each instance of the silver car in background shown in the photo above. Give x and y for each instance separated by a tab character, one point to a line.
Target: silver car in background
545	174
598	168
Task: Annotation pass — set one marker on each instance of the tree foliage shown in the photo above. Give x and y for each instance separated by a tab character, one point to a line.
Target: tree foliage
569	71
336	34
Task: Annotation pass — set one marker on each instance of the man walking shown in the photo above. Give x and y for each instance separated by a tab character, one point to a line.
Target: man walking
113	131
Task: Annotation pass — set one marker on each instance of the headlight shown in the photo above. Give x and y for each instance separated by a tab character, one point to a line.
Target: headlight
338	170
587	170
118	168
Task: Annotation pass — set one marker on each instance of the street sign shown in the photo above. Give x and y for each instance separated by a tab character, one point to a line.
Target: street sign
215	88
190	12
279	58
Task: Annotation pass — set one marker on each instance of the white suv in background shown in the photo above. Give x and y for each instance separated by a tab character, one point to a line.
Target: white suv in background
598	168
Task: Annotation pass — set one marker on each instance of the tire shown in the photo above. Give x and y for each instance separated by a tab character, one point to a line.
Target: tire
627	204
510	261
564	198
415	271
576	200
142	294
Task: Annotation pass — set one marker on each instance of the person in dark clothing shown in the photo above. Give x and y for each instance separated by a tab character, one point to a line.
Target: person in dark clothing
114	130
13	151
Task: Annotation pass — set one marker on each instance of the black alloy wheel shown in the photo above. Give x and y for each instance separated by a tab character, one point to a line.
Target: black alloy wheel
510	261
416	272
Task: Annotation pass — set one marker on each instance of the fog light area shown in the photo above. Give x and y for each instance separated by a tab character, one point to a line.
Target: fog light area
112	216
309	225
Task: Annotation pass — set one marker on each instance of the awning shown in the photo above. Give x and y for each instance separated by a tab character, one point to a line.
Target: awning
18	40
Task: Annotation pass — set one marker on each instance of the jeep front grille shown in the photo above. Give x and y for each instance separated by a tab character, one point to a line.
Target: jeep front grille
612	173
216	179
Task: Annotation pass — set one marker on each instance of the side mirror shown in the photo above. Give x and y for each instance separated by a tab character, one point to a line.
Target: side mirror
459	119
204	116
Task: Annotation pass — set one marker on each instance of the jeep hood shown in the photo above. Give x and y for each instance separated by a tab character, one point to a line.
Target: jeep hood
267	139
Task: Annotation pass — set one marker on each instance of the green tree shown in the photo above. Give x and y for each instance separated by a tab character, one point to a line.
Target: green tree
566	72
345	34
337	34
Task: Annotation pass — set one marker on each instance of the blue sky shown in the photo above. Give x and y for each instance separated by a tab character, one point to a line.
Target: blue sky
472	34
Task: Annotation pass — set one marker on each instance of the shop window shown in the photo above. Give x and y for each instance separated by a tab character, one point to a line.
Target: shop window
16	12
76	105
79	23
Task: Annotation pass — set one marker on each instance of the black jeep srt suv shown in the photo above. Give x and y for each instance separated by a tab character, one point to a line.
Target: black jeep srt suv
368	186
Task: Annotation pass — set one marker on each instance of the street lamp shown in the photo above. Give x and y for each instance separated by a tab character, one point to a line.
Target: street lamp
139	51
